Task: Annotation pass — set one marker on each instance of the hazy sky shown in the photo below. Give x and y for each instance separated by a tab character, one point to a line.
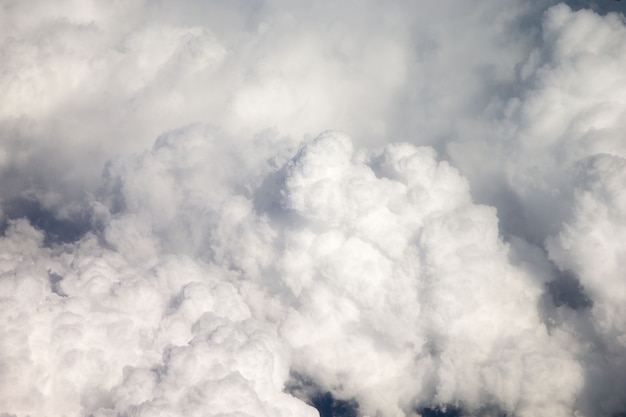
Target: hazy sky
279	208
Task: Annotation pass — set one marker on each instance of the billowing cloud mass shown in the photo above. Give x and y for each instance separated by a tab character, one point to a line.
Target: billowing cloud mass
272	208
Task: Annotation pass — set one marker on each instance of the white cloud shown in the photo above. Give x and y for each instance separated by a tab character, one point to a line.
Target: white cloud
442	303
175	242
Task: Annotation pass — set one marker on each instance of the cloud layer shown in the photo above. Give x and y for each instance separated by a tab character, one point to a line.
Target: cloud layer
232	208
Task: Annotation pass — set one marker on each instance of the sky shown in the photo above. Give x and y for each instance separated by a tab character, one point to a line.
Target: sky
275	208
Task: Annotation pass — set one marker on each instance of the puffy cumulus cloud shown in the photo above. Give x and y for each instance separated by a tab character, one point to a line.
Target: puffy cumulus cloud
86	333
371	272
192	275
384	279
175	197
393	262
574	108
568	106
589	245
98	80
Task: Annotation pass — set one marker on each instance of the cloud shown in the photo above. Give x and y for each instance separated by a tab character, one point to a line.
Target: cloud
588	246
412	279
178	237
176	339
568	107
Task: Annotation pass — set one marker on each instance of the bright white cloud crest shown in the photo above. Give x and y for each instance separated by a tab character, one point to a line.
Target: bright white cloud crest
179	239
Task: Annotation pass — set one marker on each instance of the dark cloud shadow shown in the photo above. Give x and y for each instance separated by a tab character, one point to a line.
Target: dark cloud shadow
446	411
598	6
566	290
307	390
55	280
56	229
